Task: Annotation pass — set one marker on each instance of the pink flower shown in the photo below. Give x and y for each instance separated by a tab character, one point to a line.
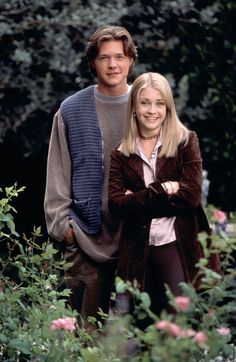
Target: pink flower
68	324
171	328
219	215
182	303
185	333
162	325
223	331
174	330
201	338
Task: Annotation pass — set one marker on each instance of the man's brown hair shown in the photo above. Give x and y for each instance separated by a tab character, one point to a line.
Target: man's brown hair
106	33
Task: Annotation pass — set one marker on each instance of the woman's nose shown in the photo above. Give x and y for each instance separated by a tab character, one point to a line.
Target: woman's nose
152	108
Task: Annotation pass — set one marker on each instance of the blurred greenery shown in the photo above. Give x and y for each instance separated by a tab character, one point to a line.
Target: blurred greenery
42	47
34	308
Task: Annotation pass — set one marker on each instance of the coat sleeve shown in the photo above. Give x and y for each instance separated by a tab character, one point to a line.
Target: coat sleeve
145	202
189	193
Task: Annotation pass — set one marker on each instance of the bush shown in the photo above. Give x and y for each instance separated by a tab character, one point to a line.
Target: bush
37	324
31	299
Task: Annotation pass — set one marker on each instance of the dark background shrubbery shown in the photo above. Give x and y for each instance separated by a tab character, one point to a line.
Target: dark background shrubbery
42	45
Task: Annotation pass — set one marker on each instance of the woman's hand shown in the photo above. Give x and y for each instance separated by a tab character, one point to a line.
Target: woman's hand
128	192
171	187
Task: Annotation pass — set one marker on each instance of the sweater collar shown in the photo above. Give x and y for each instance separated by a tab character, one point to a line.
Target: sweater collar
111	99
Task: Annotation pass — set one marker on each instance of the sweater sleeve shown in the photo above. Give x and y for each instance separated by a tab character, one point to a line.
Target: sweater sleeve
58	181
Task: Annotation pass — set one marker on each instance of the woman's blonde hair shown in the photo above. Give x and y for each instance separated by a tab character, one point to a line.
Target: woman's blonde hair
173	132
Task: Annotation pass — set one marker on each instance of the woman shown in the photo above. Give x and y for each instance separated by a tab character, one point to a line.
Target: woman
155	187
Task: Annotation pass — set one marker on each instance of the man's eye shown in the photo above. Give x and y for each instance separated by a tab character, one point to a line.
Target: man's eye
103	58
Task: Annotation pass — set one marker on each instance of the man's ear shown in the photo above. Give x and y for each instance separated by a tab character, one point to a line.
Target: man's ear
131	61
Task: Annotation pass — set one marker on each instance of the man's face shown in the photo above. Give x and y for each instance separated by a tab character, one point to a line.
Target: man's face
112	68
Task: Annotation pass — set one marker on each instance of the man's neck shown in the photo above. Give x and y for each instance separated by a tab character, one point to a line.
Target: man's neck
112	91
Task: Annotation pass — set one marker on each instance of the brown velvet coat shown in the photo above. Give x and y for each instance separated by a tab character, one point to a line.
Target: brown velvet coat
137	209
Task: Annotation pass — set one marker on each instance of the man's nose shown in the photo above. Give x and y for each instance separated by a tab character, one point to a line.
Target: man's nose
112	62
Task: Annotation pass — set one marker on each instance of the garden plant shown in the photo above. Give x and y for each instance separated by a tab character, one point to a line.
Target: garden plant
37	323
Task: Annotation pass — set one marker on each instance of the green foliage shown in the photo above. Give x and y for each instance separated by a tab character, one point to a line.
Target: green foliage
29	304
42	58
6	218
211	311
32	298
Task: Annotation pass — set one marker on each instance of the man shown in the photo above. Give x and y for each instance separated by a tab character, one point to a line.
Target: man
88	125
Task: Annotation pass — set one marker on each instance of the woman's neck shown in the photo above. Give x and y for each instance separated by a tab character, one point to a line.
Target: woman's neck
148	138
148	146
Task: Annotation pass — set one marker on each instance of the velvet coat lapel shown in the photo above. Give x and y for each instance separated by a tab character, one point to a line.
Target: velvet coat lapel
135	163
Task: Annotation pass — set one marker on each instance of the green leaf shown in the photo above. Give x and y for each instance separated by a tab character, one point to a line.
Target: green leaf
3	338
146	301
19	345
121	286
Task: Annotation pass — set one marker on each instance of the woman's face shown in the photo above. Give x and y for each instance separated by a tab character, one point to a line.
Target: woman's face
150	111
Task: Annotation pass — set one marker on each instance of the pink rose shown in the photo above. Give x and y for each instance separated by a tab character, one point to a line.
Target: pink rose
223	331
162	325
185	333
219	215
201	338
182	303
68	324
171	328
174	330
